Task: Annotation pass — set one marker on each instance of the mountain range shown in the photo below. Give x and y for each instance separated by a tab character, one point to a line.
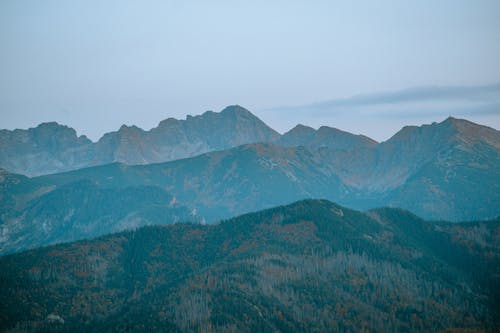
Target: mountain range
50	147
309	266
442	171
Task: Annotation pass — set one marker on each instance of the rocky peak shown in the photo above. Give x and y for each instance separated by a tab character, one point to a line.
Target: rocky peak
236	110
124	132
326	131
403	134
325	136
124	129
472	133
55	136
166	123
450	131
51	128
301	130
51	125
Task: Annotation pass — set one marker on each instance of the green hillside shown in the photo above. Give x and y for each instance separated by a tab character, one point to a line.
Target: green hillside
310	266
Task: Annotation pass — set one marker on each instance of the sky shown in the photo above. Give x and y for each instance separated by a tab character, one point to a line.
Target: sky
368	67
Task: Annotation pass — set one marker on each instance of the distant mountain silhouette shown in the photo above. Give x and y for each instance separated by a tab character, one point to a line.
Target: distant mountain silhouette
325	136
45	149
51	148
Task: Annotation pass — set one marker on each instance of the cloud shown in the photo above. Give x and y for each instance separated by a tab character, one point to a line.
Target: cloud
443	111
420	94
483	99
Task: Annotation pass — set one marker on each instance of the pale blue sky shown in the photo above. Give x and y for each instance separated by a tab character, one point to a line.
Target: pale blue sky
95	65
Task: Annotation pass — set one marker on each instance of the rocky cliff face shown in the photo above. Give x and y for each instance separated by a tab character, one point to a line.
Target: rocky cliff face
47	148
174	139
390	164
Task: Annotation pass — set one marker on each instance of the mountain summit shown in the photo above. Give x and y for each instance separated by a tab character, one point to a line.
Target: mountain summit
325	136
47	148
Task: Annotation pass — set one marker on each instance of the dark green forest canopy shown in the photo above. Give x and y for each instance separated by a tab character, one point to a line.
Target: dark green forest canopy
311	265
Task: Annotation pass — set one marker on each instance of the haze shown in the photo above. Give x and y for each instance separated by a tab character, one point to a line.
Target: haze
95	65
